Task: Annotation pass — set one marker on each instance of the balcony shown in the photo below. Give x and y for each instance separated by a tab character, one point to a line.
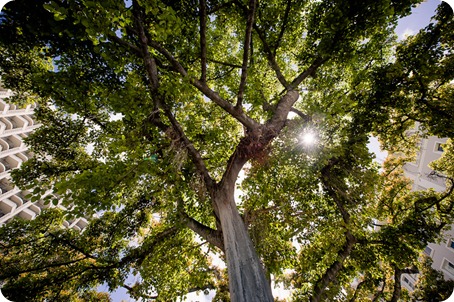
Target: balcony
7	206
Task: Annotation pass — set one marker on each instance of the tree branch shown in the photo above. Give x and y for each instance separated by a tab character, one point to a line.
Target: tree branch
139	254
135	295
309	71
436	200
397	286
351	240
220	76
132	290
271	57
284	24
224	63
136	50
203	48
212	236
151	68
193	152
277	121
379	292
150	64
332	272
358	287
305	117
41	268
247	44
72	246
202	87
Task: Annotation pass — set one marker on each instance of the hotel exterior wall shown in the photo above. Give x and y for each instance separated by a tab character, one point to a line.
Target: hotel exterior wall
15	125
420	172
423	178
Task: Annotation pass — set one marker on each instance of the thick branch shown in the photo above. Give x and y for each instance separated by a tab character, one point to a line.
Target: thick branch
136	50
277	121
351	240
309	71
151	68
397	283
251	145
284	25
212	236
40	268
149	61
435	200
397	286
234	166
305	117
175	126
139	254
379	292
332	272
247	43
270	108
358	287
202	87
271	57
193	152
334	193
68	243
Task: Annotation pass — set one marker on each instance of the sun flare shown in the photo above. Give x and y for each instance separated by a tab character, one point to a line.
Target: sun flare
308	138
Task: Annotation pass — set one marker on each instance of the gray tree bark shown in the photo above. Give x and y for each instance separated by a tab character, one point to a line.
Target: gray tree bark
247	281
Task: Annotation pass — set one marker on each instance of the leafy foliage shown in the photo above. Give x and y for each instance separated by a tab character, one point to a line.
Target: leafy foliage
431	286
150	110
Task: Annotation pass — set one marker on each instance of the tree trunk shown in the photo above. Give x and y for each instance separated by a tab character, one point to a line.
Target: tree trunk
247	281
397	286
332	272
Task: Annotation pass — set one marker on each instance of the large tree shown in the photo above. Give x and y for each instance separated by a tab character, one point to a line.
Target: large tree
150	111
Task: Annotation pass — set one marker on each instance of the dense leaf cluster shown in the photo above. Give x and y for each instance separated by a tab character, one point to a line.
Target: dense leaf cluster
151	110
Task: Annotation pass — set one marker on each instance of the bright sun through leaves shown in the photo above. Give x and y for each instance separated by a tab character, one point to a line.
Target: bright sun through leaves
308	138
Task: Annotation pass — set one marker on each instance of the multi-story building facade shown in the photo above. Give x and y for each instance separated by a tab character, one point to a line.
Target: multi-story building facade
423	177
15	125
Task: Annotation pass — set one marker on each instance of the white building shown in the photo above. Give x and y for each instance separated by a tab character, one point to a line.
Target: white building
15	125
431	148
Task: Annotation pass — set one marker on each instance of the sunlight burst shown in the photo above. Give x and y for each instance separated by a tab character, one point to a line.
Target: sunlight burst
308	138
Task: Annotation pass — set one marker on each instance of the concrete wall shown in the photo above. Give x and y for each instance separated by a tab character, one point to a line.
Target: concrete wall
15	125
423	178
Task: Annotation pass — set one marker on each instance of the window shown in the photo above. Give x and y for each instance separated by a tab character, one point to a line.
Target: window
450	244
448	266
438	147
428	251
412	286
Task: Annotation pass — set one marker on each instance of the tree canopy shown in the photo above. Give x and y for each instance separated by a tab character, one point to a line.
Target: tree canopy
176	128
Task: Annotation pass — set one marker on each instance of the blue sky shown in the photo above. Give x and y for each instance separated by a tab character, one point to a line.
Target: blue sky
419	18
